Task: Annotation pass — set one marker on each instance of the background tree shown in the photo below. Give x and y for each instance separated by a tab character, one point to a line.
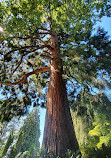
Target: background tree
9	129
7	145
2	133
31	130
26	139
92	119
53	36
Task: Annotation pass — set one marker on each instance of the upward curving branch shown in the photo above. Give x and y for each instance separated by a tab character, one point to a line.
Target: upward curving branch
24	79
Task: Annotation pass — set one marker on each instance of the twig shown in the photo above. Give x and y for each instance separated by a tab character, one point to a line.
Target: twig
46	52
41	41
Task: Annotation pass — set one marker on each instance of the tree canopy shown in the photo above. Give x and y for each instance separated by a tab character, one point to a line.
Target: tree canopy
26	49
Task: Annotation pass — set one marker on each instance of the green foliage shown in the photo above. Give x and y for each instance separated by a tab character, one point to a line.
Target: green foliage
17	146
28	138
85	57
12	107
12	127
24	138
22	155
31	132
2	132
6	146
102	129
28	25
92	119
69	154
46	154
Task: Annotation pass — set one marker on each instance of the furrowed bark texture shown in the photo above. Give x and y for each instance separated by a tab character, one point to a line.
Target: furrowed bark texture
59	133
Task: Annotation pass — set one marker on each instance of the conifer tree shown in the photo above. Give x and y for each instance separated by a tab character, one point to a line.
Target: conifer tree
31	130
7	144
26	139
51	39
17	146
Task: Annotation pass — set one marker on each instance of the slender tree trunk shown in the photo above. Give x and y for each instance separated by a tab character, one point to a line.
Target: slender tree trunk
59	133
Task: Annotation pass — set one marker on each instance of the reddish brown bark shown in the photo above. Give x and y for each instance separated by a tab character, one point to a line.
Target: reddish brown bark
59	133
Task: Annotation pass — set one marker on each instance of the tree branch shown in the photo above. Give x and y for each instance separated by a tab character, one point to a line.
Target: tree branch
34	38
41	28
41	55
22	59
70	76
46	52
18	65
43	36
42	41
39	47
43	33
24	79
45	56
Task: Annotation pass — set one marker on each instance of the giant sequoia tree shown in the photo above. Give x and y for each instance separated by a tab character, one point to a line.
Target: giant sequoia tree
45	43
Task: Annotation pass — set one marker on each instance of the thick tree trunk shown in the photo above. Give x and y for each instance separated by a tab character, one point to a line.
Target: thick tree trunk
59	133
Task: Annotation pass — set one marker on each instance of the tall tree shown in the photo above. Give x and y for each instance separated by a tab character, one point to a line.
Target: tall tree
9	130
6	147
31	132
28	138
51	36
23	139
